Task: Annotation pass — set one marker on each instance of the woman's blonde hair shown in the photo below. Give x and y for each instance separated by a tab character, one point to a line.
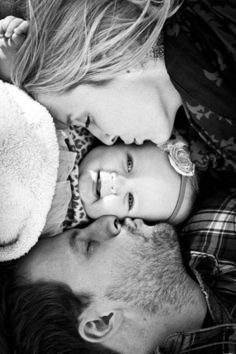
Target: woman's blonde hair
71	42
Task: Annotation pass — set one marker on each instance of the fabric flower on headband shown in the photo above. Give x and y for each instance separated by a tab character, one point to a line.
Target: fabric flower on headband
179	156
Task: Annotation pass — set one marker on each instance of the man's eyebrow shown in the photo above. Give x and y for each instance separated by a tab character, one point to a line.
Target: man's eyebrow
10	243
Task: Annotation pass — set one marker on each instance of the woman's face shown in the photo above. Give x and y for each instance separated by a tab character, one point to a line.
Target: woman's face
131	107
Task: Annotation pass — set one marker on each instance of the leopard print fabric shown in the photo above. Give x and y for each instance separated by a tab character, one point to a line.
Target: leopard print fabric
79	140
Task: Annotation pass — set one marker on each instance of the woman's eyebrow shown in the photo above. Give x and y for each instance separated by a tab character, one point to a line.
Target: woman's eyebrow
10	243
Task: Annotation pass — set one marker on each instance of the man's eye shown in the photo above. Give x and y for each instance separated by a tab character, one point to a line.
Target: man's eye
130	201
129	163
87	122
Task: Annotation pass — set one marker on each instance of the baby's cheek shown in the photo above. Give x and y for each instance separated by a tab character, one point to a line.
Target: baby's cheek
109	205
98	209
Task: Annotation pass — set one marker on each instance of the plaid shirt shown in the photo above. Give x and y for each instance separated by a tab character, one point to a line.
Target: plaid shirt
209	242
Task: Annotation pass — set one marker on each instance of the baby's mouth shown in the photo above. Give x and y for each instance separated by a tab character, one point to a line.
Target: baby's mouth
98	185
105	185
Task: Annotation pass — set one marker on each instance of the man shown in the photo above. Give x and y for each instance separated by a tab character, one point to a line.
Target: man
131	292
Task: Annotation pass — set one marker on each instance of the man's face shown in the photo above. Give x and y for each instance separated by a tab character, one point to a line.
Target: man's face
105	255
128	180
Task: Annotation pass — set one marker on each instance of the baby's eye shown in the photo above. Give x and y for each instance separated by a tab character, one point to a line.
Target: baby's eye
87	122
129	163
130	201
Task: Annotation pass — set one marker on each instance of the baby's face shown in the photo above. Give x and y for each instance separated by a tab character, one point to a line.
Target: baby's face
128	180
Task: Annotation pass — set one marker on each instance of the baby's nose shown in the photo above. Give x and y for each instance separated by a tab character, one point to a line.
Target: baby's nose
111	183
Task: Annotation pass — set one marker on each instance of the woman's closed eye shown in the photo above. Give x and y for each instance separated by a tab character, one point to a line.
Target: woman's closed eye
87	122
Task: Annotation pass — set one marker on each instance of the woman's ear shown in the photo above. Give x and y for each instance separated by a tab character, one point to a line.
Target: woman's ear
96	327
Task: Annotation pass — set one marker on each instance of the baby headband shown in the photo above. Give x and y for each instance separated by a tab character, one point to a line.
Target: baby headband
28	170
179	157
180	199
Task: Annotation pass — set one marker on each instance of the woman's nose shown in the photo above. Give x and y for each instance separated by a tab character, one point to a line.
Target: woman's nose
108	139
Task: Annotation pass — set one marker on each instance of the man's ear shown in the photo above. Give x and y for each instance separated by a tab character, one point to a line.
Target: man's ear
96	326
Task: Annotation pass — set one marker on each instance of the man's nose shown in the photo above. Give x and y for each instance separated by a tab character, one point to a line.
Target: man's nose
102	229
108	226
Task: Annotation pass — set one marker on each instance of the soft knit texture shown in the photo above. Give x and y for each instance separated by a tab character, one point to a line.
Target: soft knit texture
28	170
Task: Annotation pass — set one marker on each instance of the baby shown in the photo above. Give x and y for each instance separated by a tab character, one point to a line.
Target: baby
123	180
138	181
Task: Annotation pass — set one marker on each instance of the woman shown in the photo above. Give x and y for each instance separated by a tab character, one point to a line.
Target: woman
100	64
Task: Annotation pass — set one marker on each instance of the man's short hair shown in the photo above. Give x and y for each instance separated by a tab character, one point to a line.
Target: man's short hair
42	318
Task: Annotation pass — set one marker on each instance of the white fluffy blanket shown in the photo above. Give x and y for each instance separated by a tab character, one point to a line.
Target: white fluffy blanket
28	170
